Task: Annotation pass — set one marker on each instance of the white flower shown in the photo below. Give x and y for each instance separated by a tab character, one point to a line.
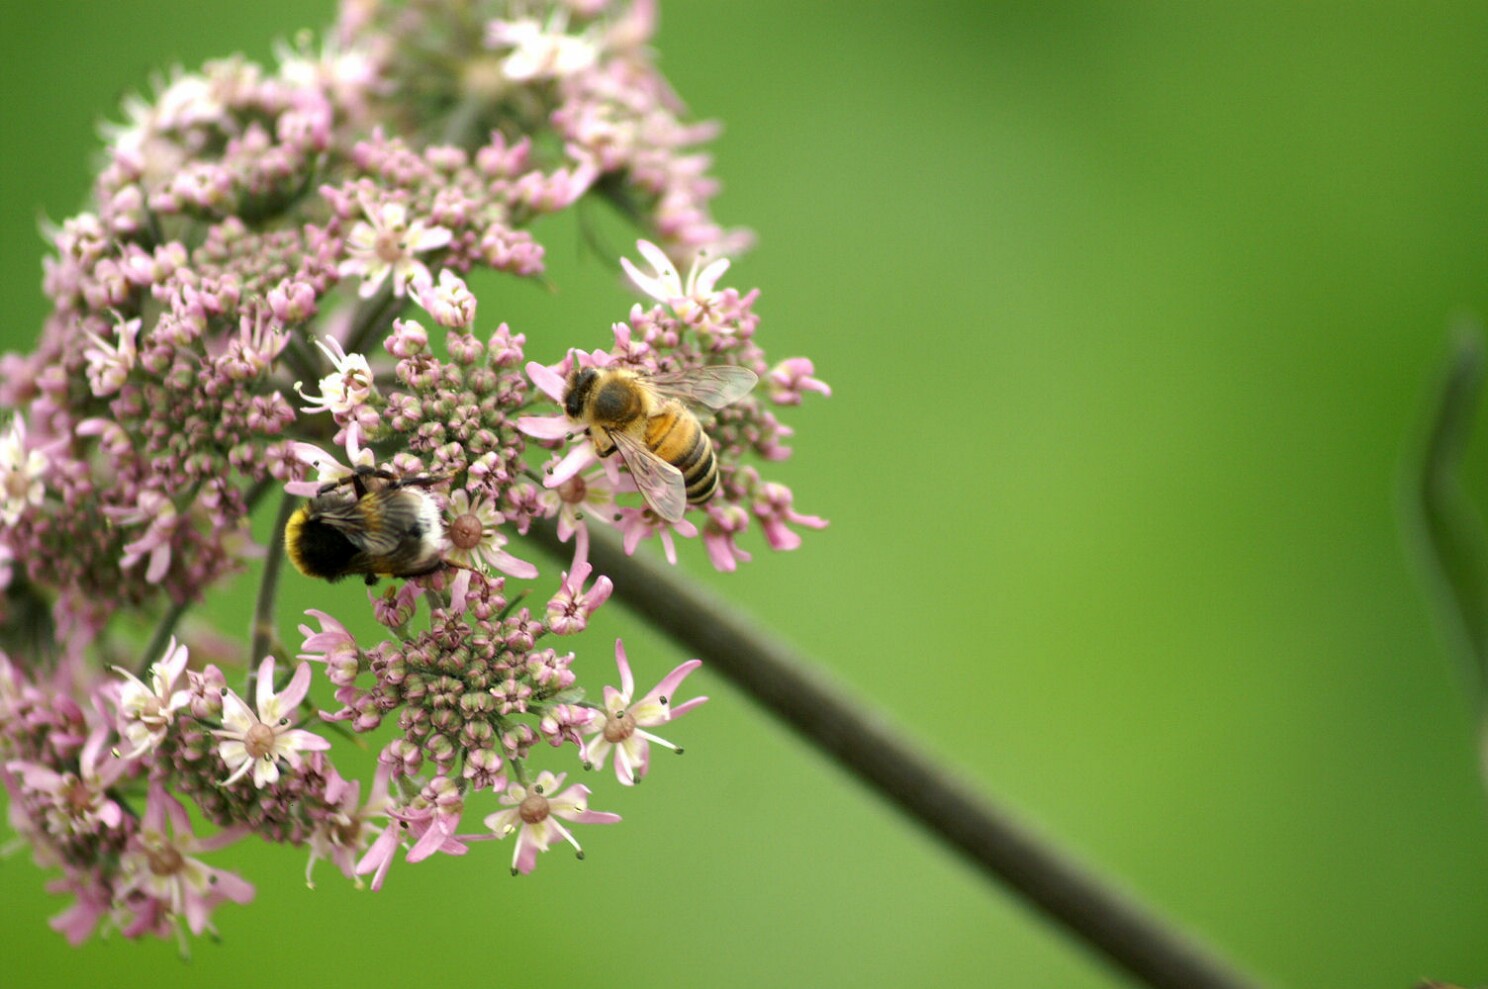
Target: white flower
532	812
476	539
258	740
620	725
541	52
20	473
694	301
109	364
348	386
147	712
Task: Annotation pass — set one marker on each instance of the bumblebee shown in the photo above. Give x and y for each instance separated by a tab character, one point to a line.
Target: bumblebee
648	419
370	523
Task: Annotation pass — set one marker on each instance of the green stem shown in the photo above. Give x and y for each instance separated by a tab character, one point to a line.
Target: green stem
1442	525
163	632
376	313
265	633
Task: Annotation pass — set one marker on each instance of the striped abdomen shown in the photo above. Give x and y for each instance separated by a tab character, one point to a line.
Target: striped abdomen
675	436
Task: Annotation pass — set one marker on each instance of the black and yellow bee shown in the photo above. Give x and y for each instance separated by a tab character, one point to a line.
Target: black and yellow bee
370	523
646	418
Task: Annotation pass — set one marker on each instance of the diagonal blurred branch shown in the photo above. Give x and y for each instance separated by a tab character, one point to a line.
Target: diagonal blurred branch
1442	525
866	745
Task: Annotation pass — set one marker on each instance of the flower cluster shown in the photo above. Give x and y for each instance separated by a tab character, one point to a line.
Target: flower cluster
246	313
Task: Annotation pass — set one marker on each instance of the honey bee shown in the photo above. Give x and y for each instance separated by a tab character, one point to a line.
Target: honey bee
645	417
370	523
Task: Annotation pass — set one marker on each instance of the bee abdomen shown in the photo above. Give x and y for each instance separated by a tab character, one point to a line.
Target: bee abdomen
702	480
677	438
316	549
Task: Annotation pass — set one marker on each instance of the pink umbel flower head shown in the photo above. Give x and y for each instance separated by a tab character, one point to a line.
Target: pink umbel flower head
622	724
245	314
257	739
533	812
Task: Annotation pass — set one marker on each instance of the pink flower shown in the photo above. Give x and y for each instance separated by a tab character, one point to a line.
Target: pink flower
386	244
636	524
581	498
724	523
476	539
791	377
773	508
161	517
109	364
345	830
329	470
563	722
332	645
94	894
450	302
570	608
159	864
258	740
430	819
76	803
533	813
620	725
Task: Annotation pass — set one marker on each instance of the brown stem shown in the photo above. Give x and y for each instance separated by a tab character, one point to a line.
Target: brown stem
867	746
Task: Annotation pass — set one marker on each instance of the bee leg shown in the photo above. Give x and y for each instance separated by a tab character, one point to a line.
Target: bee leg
422	481
371	580
357	479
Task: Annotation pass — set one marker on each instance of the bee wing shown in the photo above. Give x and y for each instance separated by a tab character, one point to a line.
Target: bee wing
659	482
714	386
373	522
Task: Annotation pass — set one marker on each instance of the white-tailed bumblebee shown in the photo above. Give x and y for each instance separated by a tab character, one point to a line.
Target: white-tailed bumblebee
370	523
661	440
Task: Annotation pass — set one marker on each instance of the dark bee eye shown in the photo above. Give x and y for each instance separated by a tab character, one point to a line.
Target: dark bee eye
578	392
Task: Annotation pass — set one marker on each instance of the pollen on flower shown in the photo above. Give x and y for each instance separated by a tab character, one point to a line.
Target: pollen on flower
534	808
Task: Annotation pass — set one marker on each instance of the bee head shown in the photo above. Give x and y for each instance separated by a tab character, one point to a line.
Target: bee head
580	384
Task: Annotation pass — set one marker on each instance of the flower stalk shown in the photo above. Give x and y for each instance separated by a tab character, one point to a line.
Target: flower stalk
860	740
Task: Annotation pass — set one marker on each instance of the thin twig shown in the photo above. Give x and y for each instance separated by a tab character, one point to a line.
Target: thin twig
865	744
1443	527
156	647
264	630
371	315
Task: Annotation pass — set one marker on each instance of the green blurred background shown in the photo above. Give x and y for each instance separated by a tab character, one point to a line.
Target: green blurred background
1131	312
